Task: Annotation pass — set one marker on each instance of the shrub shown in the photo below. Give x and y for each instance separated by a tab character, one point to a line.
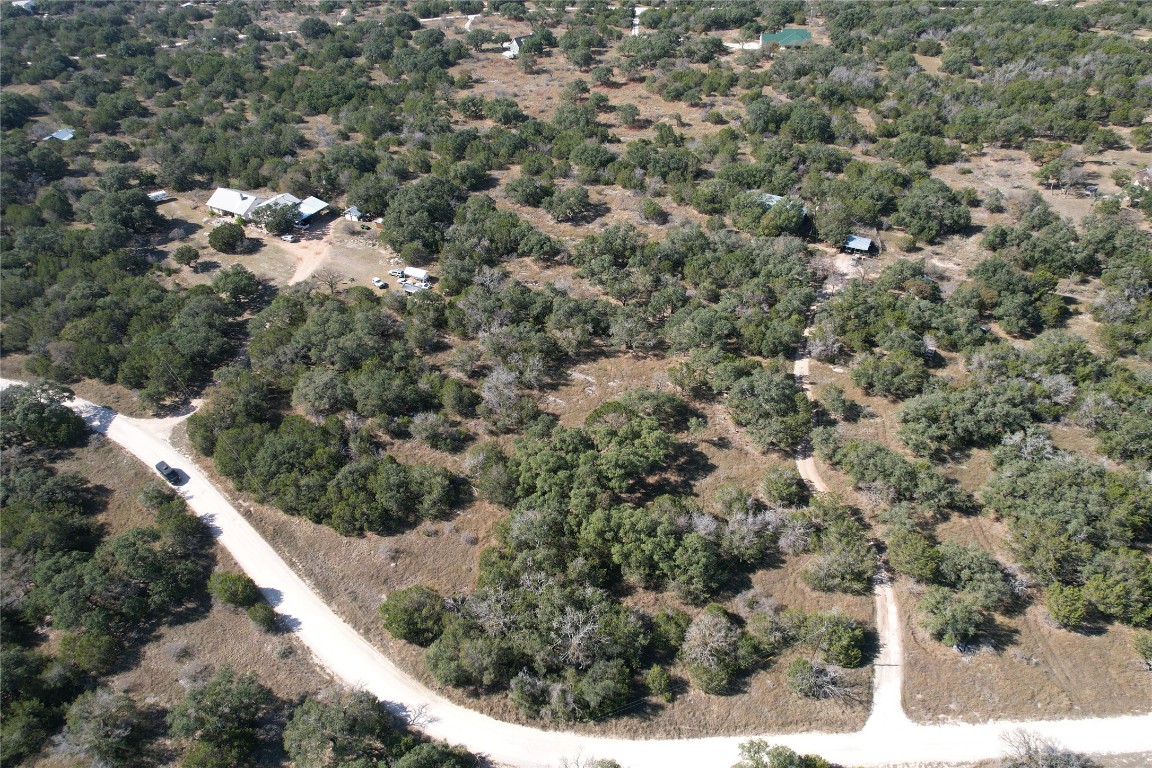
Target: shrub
1066	604
949	617
1143	645
227	238
93	652
910	553
264	616
415	614
782	484
234	588
659	683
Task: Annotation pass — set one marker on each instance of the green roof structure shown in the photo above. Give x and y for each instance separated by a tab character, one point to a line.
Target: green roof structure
787	38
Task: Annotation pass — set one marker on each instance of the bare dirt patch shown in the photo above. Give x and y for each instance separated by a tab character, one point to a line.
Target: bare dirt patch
119	398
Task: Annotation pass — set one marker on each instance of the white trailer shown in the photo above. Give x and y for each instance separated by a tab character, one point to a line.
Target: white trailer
416	274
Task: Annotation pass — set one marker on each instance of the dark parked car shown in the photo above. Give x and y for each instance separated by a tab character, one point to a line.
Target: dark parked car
167	472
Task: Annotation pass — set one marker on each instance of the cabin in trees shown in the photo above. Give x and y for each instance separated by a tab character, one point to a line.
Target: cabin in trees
858	246
64	134
787	38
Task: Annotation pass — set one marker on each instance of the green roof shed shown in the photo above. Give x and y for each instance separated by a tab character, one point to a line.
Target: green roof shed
787	38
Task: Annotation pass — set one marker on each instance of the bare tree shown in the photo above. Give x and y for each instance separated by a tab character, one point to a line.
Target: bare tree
1031	750
327	278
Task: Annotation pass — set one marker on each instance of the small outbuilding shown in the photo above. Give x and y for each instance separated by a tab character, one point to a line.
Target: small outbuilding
416	273
64	134
858	245
352	214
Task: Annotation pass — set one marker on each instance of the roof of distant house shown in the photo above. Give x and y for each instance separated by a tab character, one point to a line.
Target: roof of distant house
857	243
64	134
234	201
787	37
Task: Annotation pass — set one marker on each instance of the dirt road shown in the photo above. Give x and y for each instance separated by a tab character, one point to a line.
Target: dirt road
888	738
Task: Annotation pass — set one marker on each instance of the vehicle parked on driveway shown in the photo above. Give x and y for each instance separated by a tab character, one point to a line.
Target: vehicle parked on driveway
288	238
379	283
169	474
395	273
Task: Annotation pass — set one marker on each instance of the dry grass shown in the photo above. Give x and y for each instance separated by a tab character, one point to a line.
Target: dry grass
1033	671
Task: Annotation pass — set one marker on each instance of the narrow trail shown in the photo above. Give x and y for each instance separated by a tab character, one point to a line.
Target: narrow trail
888	674
888	737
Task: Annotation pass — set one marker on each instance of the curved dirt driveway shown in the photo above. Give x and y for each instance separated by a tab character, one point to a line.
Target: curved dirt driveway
885	739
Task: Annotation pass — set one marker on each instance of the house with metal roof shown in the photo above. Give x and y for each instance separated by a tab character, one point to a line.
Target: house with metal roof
225	201
64	134
858	244
787	38
235	202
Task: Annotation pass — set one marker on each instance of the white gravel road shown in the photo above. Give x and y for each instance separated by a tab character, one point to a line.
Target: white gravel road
888	738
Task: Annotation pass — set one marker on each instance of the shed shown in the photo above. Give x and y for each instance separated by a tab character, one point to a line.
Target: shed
64	134
416	273
234	202
787	38
858	244
352	214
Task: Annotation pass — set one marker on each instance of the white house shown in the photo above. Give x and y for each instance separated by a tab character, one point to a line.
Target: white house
225	201
514	46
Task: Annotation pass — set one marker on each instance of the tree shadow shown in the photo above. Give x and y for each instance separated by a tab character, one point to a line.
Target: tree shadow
999	636
205	265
